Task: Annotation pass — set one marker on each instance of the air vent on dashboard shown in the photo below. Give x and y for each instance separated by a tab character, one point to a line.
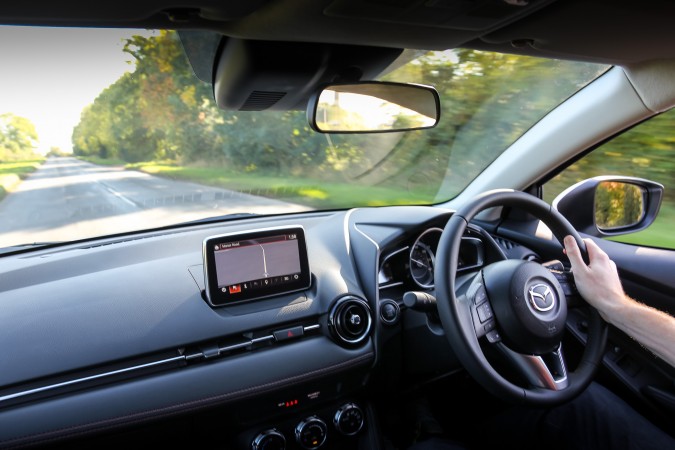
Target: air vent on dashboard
350	320
261	100
171	359
516	251
504	243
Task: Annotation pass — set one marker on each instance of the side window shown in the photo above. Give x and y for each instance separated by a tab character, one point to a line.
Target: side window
645	151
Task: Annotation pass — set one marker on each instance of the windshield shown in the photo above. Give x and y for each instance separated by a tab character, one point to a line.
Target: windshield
109	131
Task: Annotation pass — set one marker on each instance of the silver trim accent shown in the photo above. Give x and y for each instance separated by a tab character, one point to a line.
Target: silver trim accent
194	356
480	251
309	421
90	378
229	348
536	369
391	285
256	444
384	261
262	339
345	226
180	358
394	253
336	325
432	253
378	253
343	410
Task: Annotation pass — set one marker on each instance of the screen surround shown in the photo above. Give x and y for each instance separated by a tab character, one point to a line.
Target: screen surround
240	267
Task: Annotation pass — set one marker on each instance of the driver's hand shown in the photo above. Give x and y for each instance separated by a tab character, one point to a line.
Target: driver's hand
598	282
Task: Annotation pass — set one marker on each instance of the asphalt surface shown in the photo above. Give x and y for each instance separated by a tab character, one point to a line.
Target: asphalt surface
68	199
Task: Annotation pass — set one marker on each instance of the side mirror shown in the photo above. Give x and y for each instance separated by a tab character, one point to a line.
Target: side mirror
610	205
373	107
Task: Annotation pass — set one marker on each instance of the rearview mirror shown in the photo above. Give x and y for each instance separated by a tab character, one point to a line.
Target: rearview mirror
610	205
373	107
618	205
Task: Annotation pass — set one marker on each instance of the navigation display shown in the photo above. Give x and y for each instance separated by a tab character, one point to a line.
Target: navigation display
256	264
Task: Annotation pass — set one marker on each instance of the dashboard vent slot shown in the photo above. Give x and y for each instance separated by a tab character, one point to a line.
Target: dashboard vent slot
350	320
261	100
516	251
504	243
154	363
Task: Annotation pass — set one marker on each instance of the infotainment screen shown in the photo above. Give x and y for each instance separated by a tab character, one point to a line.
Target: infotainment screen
261	263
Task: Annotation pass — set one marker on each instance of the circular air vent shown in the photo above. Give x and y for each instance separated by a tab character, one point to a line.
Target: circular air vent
350	320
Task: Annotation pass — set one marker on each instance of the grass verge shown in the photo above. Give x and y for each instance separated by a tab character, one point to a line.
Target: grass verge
11	174
309	192
659	234
324	195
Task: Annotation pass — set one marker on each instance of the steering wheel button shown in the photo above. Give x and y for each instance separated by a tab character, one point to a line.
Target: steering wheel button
484	312
493	337
481	296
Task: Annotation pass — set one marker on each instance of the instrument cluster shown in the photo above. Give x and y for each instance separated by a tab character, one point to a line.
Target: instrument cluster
413	265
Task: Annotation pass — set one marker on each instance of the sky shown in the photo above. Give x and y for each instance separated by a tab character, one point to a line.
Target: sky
49	74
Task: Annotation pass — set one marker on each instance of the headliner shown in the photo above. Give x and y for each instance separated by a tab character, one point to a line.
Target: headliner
608	31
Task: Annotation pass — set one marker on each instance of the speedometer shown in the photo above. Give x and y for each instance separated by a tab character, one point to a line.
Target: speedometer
423	257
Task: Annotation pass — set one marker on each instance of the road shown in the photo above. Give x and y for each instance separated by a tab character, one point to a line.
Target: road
68	199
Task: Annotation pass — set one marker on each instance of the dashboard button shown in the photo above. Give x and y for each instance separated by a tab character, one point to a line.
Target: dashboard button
288	333
389	312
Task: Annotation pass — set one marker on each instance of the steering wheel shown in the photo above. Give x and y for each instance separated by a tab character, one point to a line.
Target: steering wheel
519	307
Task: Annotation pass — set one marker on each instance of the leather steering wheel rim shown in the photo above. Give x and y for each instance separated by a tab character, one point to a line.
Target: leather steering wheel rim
459	328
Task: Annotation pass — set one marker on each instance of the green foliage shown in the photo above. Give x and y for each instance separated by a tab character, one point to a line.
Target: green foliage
136	118
11	174
646	151
618	205
56	151
487	101
161	112
18	138
301	190
659	234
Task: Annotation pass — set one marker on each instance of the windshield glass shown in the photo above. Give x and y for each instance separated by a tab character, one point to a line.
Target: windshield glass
109	131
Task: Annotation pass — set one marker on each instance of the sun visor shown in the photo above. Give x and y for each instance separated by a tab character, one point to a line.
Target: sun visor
262	75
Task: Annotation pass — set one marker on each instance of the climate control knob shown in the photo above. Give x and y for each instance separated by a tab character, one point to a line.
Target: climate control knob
311	433
348	420
269	440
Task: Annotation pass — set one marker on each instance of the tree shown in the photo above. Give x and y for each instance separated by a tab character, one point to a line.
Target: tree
161	111
18	137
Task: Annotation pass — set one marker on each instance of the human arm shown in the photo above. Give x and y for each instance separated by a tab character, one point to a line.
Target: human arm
599	284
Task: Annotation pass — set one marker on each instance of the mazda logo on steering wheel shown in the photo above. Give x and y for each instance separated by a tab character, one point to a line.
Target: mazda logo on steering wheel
541	297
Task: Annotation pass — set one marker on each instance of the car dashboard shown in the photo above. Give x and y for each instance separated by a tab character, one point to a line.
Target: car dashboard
119	334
